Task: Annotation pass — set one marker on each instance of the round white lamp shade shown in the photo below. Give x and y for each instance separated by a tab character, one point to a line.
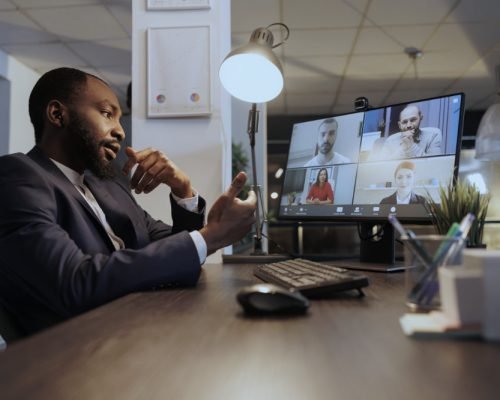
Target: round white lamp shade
252	72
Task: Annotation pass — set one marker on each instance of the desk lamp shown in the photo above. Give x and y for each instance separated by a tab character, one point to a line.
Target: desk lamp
488	133
252	73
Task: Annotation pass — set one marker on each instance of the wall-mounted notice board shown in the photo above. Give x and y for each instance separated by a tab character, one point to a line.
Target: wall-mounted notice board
178	72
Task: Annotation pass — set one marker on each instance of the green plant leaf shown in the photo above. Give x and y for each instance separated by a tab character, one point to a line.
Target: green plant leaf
455	202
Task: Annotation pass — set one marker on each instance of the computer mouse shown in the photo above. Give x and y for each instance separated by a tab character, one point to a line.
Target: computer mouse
266	298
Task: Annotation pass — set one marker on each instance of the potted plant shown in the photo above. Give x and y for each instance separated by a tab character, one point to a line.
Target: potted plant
455	202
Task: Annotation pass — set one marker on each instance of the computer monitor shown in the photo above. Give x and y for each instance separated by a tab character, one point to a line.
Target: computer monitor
363	166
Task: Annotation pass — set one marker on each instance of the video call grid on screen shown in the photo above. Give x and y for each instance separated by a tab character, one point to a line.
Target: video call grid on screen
377	165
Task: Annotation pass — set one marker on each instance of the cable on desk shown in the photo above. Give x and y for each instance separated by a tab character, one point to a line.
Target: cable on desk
378	234
279	246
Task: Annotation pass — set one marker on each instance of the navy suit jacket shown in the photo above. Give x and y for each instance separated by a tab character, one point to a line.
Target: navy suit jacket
393	199
57	261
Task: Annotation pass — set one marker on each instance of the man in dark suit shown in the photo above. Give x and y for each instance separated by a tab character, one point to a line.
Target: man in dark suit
72	237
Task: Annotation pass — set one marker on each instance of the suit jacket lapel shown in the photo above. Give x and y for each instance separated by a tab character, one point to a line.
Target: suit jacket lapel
413	198
60	179
117	219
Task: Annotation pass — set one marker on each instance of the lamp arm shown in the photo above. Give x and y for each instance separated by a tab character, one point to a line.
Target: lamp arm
253	123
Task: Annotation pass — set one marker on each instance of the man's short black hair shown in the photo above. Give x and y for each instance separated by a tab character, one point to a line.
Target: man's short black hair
61	84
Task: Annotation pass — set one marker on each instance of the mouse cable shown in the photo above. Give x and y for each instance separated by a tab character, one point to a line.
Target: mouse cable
279	246
377	234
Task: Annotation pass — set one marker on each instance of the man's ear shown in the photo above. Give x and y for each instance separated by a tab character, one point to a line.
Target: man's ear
57	113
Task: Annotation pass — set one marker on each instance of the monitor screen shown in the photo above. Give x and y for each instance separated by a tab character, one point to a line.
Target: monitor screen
366	165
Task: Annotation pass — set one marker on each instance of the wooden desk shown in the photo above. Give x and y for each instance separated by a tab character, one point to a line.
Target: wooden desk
197	344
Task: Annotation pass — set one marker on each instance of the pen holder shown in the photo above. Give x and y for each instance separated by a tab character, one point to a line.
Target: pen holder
424	255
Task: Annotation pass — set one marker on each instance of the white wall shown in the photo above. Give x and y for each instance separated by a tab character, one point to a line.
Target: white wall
22	79
4	115
199	146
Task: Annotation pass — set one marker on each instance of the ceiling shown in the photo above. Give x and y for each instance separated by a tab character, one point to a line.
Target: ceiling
337	49
91	35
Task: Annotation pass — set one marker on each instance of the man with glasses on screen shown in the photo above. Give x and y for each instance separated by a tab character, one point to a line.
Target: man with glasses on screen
327	135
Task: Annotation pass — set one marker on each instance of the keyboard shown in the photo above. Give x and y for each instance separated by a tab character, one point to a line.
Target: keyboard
311	278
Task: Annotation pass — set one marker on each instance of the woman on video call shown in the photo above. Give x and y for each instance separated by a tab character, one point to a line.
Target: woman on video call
321	191
404	179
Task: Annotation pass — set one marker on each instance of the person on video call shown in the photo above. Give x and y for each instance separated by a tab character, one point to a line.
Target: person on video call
72	236
412	140
327	135
404	179
321	191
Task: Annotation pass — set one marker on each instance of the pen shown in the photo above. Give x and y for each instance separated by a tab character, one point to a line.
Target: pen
426	287
456	231
466	224
453	232
394	221
446	251
412	241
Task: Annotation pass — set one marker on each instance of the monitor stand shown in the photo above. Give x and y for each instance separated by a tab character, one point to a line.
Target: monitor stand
376	250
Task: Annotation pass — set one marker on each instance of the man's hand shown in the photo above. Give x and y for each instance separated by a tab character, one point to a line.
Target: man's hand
230	218
153	168
407	139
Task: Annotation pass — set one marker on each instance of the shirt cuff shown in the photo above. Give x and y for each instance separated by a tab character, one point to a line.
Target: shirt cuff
201	245
189	203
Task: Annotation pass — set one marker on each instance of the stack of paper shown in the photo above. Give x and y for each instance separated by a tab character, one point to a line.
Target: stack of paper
435	323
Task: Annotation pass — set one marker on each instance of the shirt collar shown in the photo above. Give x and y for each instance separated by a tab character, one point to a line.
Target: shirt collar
404	200
74	177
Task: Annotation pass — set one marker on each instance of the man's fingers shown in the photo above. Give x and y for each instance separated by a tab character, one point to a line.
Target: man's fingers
132	160
237	184
135	157
251	199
